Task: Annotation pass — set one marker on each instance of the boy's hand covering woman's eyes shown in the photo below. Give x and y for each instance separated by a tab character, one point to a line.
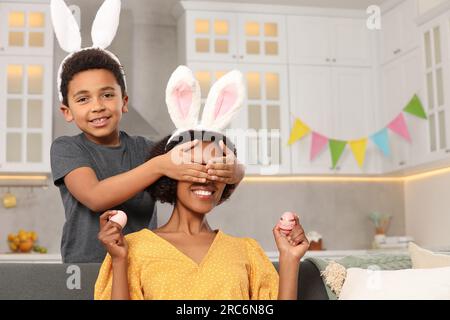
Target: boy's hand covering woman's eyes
176	164
111	236
225	169
295	244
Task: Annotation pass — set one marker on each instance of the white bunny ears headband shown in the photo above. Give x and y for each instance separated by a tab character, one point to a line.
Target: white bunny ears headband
68	33
183	100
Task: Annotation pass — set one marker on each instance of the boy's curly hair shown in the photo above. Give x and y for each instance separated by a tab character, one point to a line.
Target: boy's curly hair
165	188
87	60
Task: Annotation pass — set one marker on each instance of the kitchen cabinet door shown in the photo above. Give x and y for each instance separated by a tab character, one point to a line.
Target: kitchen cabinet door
329	41
353	113
309	40
311	100
352	43
436	70
25	29
401	80
399	32
261	128
25	114
211	36
262	38
419	151
266	113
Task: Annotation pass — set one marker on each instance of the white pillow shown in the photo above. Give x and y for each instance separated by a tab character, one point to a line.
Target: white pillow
424	259
406	284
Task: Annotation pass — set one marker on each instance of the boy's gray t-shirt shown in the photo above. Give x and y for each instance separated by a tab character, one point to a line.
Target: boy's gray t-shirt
79	241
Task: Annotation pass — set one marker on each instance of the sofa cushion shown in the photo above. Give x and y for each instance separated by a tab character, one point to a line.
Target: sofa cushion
368	261
408	284
423	259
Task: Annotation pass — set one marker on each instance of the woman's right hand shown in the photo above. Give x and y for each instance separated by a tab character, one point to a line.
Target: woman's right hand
110	235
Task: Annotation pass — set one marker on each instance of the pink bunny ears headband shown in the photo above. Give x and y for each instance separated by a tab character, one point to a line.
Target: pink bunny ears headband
183	100
68	33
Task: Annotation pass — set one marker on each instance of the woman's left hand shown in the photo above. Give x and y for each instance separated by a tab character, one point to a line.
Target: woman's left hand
225	169
295	244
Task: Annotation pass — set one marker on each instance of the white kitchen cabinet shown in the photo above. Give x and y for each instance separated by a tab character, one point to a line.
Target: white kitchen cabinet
310	101
435	36
332	82
332	73
399	32
232	37
25	114
353	111
400	80
265	110
25	29
262	38
329	41
335	102
210	36
26	72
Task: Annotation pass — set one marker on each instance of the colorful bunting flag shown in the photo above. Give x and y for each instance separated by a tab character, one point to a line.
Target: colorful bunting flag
381	140
359	150
317	144
359	147
336	148
415	108
298	131
398	125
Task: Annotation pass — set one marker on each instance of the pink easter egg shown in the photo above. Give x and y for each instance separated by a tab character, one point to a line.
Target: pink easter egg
120	217
287	222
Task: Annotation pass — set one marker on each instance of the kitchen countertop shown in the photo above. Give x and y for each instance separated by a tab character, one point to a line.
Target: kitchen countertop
336	254
273	255
30	258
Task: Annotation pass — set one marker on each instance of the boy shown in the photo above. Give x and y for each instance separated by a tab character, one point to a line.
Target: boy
104	168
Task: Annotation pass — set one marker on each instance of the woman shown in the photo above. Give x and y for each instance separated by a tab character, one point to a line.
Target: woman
186	258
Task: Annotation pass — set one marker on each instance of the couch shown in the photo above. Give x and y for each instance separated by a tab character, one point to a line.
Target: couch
43	281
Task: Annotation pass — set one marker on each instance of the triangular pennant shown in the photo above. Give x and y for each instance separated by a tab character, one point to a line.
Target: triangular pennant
317	144
415	108
336	148
359	150
298	131
381	139
398	125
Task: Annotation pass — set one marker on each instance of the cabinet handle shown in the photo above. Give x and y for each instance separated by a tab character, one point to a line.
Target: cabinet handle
234	56
397	51
2	49
241	56
401	163
327	59
446	151
334	60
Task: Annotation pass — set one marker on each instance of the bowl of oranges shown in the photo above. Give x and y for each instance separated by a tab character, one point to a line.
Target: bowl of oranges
24	241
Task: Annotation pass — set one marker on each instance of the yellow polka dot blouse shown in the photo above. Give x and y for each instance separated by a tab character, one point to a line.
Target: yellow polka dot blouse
234	268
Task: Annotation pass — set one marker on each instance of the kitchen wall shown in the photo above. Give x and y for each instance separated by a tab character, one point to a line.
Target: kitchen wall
338	210
427	215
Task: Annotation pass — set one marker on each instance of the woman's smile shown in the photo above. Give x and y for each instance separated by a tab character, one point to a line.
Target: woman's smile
204	192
